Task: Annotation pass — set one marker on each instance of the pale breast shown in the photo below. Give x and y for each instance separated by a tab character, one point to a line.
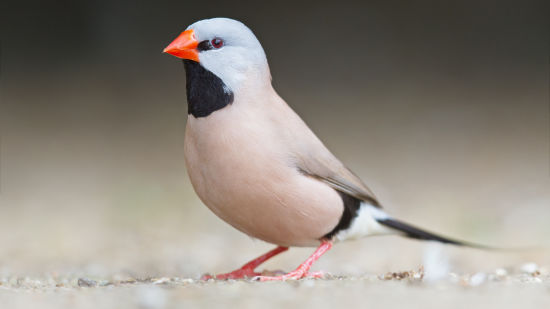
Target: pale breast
239	168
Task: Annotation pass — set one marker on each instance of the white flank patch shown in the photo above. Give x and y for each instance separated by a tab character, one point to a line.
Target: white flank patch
365	224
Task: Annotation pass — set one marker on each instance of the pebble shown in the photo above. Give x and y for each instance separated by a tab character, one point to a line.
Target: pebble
162	280
478	279
501	272
86	282
529	268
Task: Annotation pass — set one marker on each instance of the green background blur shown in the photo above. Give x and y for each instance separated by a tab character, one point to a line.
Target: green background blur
442	107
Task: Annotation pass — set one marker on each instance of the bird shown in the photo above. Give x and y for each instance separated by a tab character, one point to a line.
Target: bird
258	166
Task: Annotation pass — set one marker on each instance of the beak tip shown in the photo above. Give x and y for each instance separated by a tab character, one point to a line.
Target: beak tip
184	46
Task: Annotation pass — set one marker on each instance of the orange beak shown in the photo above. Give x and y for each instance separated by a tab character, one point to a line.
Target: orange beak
184	46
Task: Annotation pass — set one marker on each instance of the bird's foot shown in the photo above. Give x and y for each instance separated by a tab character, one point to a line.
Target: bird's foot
303	270
247	270
294	275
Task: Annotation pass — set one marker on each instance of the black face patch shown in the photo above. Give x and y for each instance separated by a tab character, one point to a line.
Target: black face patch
351	206
206	93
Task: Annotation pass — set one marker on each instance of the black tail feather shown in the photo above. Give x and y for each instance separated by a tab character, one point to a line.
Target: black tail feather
417	233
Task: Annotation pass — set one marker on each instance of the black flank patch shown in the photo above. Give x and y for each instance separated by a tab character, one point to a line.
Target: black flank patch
351	206
205	91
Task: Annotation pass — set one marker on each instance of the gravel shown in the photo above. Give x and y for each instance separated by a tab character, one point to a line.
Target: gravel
501	288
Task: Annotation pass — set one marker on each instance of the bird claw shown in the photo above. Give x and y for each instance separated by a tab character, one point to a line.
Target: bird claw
247	271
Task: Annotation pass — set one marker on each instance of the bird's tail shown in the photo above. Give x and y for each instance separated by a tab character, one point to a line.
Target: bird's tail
417	233
386	224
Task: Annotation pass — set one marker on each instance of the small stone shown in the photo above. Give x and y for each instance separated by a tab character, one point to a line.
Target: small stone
86	282
529	268
128	281
162	280
501	272
478	279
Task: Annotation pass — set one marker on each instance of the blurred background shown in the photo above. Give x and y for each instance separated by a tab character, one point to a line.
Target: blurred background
441	107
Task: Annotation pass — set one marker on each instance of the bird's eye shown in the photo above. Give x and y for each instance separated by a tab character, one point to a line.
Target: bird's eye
217	43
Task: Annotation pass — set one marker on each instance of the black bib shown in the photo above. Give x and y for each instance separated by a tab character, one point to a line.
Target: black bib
206	93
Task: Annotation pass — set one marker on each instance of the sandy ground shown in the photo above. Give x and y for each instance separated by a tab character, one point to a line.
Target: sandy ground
508	292
494	290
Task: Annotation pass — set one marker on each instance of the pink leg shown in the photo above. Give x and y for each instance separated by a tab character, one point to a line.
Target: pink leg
302	270
247	270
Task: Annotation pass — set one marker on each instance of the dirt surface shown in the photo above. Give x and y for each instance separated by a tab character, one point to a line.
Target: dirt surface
493	290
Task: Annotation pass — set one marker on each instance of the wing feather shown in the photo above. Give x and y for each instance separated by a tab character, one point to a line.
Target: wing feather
325	167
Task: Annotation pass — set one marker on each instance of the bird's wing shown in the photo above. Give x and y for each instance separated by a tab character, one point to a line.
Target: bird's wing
325	167
312	157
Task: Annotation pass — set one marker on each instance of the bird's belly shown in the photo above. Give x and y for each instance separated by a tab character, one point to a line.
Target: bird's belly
251	187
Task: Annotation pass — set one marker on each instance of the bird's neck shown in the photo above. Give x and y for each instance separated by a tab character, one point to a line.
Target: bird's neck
207	93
